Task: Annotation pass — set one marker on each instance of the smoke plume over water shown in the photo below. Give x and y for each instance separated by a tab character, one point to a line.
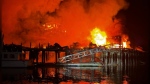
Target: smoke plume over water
61	21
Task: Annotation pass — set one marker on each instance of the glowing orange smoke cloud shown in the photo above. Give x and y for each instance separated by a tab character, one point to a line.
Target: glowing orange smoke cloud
61	21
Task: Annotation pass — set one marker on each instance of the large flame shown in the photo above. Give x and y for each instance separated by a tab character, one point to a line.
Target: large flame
125	41
124	44
98	37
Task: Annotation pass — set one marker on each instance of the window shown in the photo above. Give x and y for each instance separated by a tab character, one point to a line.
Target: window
12	56
5	55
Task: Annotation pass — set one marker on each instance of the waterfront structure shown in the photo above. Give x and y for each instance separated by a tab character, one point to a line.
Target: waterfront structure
18	56
12	56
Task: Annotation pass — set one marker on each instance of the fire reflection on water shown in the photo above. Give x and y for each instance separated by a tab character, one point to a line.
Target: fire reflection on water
85	75
71	75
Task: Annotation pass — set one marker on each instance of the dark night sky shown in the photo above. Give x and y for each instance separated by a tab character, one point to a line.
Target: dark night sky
137	25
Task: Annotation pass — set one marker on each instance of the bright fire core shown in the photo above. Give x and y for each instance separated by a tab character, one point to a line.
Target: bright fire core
98	37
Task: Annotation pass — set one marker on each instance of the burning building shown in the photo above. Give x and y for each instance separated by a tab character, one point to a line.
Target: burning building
65	22
61	21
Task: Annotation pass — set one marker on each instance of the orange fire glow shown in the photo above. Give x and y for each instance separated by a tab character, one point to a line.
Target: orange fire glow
60	21
98	37
124	45
49	26
125	41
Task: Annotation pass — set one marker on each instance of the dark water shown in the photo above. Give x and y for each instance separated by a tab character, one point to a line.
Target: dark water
137	74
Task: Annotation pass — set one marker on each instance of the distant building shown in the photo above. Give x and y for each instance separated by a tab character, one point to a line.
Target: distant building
13	56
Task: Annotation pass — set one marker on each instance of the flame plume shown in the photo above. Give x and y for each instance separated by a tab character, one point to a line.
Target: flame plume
98	37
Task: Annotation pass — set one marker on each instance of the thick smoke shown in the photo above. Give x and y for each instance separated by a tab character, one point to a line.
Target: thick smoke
61	21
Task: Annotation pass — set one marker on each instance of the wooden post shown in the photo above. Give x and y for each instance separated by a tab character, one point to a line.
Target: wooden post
92	58
55	56
106	58
43	57
37	59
